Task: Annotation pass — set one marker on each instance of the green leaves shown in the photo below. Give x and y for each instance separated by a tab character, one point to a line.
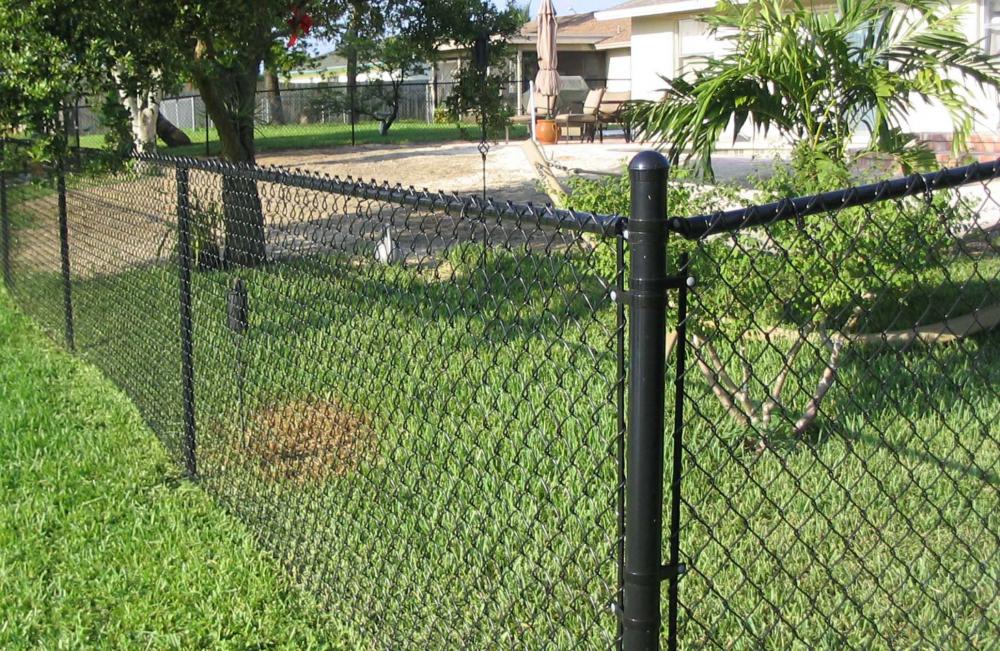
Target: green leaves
824	76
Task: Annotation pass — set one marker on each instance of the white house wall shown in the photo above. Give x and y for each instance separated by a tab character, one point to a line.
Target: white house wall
619	70
654	54
662	45
933	118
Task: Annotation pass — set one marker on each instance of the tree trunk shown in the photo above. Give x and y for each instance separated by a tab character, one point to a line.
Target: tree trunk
353	34
143	112
229	95
170	134
387	121
272	87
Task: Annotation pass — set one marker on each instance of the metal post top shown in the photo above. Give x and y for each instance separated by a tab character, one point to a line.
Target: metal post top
649	160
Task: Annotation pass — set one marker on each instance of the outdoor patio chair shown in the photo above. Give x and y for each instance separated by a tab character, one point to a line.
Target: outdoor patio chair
545	105
611	111
587	120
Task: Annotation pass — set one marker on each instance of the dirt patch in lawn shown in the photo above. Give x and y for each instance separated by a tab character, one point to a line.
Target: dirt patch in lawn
308	440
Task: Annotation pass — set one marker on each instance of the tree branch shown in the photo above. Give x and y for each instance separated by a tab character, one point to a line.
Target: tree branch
835	344
779	383
724	396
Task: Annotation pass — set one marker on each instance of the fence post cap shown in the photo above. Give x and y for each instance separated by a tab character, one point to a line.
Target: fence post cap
647	161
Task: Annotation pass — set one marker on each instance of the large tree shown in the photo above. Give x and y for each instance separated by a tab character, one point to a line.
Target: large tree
52	51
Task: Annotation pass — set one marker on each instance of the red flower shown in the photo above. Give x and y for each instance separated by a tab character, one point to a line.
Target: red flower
300	23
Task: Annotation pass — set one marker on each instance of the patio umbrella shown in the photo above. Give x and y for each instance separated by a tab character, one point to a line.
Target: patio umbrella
547	79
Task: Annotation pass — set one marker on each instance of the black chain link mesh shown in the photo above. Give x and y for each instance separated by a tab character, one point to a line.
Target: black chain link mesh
415	400
842	420
416	411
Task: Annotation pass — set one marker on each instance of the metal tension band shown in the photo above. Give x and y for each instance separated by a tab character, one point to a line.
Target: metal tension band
652	295
632	622
640	578
666	572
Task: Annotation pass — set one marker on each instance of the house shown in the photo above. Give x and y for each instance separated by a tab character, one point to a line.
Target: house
592	52
669	36
332	68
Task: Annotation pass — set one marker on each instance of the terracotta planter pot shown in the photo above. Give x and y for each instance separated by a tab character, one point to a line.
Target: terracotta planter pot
547	131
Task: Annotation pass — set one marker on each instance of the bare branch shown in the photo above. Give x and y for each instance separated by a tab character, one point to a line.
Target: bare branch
826	381
724	378
779	383
671	343
724	396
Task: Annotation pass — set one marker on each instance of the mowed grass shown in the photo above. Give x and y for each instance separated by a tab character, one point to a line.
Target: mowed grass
326	135
102	543
484	515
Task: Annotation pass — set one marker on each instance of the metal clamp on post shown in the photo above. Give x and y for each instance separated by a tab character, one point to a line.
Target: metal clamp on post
653	294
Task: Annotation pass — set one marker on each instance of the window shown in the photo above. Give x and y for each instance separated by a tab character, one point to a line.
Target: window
992	26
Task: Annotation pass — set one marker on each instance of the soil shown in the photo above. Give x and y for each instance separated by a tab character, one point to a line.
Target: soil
451	168
308	440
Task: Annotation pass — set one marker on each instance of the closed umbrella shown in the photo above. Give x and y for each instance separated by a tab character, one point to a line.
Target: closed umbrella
547	79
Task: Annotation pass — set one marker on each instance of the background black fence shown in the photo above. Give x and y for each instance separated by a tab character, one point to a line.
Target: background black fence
320	115
418	401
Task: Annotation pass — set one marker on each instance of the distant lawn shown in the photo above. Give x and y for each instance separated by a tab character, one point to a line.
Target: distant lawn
102	545
327	135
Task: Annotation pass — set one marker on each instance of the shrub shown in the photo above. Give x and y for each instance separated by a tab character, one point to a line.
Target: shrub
612	196
818	275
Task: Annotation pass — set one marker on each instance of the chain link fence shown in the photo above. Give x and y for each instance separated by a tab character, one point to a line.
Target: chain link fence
841	437
320	115
418	401
411	398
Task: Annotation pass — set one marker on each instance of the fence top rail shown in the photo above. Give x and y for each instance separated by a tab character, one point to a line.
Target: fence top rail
764	214
603	225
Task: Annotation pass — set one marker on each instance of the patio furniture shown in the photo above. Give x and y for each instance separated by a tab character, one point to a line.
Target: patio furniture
586	120
612	111
545	106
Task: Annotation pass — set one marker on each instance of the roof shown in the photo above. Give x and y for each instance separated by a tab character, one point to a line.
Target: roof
325	63
637	8
583	28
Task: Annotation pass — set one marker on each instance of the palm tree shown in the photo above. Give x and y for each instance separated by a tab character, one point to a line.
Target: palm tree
820	76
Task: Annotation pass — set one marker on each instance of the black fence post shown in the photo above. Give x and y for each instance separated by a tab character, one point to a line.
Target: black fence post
64	248
187	328
647	299
351	92
76	133
4	218
208	146
675	568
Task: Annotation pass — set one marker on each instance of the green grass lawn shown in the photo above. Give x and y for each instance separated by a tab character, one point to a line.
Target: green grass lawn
102	544
478	510
327	135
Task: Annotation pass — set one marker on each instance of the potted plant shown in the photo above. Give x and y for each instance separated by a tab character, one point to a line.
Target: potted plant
546	129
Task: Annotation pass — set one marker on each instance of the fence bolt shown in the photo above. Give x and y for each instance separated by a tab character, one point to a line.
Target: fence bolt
187	328
64	250
647	339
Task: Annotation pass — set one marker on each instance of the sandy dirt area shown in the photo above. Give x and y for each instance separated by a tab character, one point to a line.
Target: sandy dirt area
454	167
457	167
